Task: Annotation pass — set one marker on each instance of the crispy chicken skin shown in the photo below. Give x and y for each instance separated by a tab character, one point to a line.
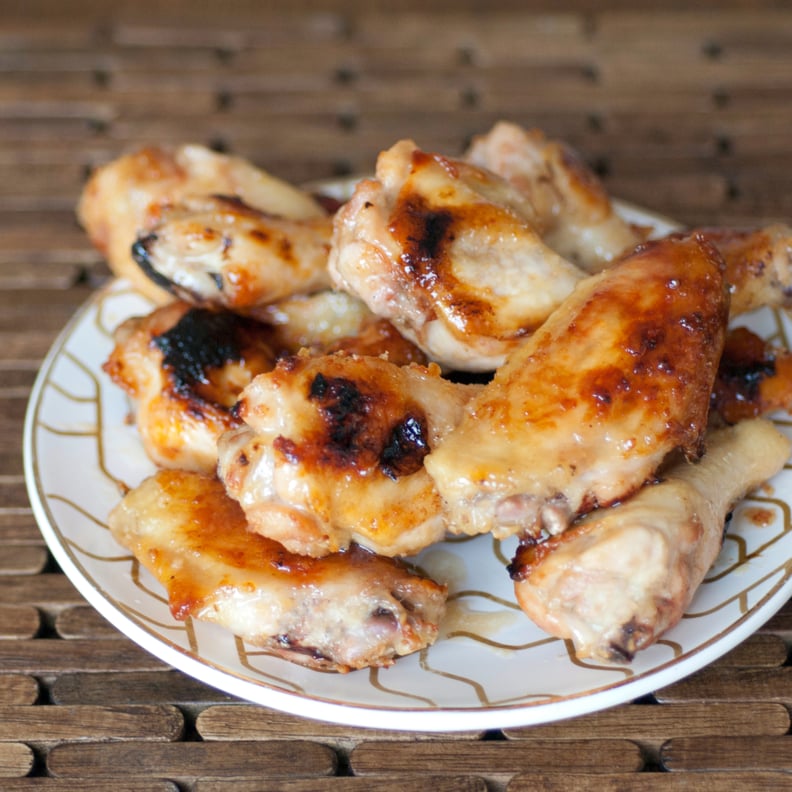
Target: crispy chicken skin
622	576
586	409
125	195
331	452
754	378
346	611
573	211
184	368
219	251
758	265
448	252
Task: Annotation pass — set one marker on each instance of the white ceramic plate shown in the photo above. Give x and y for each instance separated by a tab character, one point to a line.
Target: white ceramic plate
491	668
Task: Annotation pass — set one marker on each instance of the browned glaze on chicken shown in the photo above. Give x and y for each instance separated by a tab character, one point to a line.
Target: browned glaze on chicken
586	409
573	211
754	378
622	576
758	265
184	367
448	252
332	452
219	251
125	195
346	611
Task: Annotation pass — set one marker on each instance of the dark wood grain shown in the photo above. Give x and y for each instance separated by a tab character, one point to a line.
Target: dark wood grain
239	722
90	722
193	760
134	687
384	783
651	782
496	761
732	684
728	753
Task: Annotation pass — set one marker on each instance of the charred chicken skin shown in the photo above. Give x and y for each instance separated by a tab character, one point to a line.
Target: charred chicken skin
331	452
184	368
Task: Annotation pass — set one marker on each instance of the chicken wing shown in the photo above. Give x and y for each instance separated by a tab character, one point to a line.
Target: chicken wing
124	196
573	211
219	251
332	453
758	265
346	611
448	252
184	367
622	576
585	410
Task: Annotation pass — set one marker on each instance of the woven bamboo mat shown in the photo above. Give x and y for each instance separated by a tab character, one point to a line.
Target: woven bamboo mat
682	109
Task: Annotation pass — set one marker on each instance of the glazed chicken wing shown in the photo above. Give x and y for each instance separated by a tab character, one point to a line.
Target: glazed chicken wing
346	611
331	452
125	195
585	410
219	251
184	368
573	212
758	265
622	576
449	253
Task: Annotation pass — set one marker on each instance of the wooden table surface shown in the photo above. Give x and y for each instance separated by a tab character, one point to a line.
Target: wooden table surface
686	109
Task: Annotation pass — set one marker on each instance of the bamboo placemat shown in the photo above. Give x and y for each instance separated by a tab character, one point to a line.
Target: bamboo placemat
681	109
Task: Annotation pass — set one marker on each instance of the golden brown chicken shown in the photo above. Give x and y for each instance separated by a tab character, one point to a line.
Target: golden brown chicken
221	252
586	409
449	253
184	368
758	265
346	611
331	452
573	211
622	576
125	195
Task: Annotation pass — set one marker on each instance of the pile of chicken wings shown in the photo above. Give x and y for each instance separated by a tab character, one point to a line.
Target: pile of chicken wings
467	345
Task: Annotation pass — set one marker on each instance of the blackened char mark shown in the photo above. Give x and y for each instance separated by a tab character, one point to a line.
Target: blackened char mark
406	447
358	435
345	411
201	340
141	253
424	234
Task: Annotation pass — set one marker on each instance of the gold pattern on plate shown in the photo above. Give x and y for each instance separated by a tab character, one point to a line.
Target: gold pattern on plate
376	682
245	654
593	664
